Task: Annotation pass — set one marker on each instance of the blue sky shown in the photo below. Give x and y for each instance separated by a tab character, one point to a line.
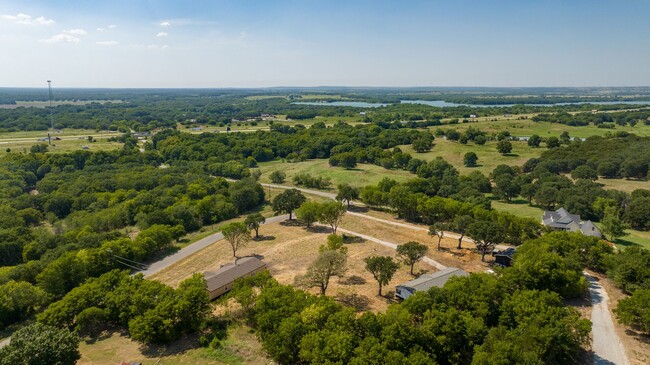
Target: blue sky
245	43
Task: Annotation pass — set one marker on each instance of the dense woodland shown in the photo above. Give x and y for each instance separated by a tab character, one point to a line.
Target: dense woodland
70	222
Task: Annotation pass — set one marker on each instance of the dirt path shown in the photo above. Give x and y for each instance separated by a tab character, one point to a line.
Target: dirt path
392	245
194	248
606	344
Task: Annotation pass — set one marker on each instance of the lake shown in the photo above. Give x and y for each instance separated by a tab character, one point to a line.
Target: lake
446	104
442	104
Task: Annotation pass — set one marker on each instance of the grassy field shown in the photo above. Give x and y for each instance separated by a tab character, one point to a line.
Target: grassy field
625	185
527	127
70	140
43	104
363	175
488	157
240	347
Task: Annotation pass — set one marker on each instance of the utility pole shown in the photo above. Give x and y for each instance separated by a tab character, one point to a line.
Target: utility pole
49	88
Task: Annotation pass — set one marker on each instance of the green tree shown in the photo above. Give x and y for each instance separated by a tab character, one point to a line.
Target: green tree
39	148
634	311
411	252
382	269
278	177
347	193
504	147
506	187
331	213
438	229
237	234
460	224
288	201
329	263
534	140
552	142
470	159
39	344
254	221
613	225
486	234
422	145
309	212
90	321
584	172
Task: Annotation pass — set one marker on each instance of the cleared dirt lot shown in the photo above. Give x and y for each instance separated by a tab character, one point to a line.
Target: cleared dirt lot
288	249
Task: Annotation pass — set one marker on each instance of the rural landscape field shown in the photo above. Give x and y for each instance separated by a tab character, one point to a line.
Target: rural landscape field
340	182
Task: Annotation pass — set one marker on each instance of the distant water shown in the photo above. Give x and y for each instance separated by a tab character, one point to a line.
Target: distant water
443	104
357	104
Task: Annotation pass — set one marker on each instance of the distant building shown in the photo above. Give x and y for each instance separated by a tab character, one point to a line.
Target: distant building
561	220
504	258
427	281
220	282
472	116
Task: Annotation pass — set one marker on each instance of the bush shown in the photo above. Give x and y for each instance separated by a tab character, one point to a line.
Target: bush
635	311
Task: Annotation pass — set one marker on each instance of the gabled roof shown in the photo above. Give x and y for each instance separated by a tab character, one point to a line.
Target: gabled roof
589	229
231	271
507	252
427	281
559	218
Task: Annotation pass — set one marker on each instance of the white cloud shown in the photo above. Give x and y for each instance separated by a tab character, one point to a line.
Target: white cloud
112	26
154	46
62	38
75	32
106	43
21	18
162	34
165	24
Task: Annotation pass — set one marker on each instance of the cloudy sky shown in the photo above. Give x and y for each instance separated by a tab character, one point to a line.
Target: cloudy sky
237	43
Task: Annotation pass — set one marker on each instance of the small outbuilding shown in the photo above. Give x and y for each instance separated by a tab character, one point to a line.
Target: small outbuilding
504	258
427	281
220	282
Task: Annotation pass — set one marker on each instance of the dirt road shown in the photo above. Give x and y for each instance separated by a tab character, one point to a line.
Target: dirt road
606	345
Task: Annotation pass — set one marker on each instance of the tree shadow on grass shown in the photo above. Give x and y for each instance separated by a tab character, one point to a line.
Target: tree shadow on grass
353	280
625	243
360	303
291	223
639	336
358	209
319	229
182	345
262	238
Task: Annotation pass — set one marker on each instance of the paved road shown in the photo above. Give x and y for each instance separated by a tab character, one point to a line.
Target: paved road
195	247
606	344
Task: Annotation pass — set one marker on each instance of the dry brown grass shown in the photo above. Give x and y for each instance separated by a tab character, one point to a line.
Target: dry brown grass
466	258
288	250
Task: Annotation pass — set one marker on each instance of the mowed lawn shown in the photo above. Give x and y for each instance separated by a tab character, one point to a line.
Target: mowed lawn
527	127
362	175
488	156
